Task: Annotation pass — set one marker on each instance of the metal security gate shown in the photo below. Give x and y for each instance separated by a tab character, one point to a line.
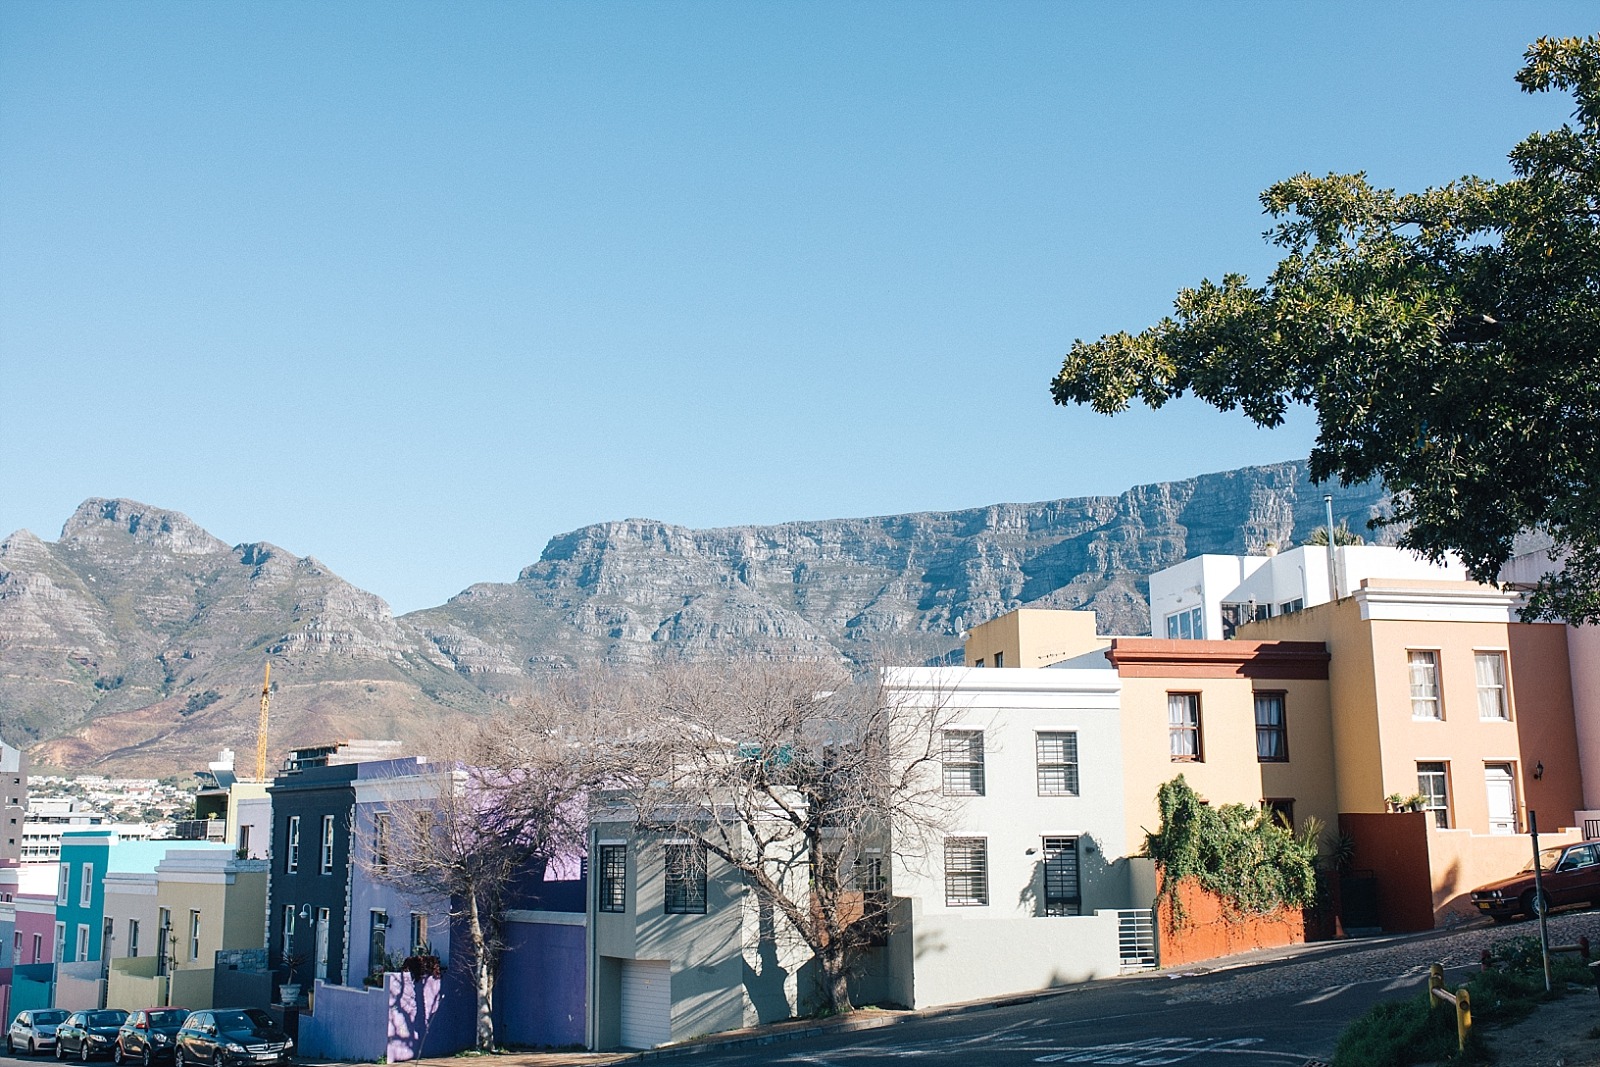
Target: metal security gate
646	1003
1136	940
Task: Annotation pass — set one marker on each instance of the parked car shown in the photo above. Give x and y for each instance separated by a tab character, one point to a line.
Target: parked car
231	1037
1570	875
34	1030
148	1035
87	1034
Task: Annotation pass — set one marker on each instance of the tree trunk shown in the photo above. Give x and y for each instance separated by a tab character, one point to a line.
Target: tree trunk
835	977
482	976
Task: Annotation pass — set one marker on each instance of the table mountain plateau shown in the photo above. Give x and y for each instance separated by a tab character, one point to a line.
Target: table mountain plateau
135	642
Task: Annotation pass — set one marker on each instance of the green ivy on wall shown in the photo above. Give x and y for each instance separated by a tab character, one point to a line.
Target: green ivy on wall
1239	853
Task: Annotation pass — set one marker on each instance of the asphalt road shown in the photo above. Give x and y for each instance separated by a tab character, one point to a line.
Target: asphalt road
1283	1013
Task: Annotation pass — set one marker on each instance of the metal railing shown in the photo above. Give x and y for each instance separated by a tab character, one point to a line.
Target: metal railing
201	829
1136	939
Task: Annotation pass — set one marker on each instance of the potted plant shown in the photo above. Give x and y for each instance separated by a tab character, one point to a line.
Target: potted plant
289	991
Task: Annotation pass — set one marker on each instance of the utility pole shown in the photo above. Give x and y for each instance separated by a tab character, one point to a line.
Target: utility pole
1333	570
1539	905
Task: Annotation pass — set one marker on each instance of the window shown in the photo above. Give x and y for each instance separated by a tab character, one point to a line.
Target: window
419	933
1433	785
686	879
82	953
1289	607
999	659
194	935
63	881
244	839
286	949
1061	893
327	844
1424	666
966	872
164	945
1186	625
133	938
1282	809
380	839
377	940
61	942
613	878
980	663
1056	755
291	855
86	886
1272	729
38	947
1491	668
1183	726
963	763
16	947
868	874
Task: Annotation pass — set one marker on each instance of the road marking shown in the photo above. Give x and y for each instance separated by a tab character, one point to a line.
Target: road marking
1159	1051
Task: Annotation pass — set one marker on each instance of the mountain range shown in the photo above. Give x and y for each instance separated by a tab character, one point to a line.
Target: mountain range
134	643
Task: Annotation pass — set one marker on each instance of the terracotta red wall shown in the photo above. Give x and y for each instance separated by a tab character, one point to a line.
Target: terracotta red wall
1394	847
1211	928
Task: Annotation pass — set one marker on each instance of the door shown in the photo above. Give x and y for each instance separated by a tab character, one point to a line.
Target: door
646	1003
1502	798
320	967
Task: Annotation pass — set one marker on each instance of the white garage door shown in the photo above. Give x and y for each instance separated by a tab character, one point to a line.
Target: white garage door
646	1003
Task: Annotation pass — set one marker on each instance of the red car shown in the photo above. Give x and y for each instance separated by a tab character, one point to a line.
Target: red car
1570	875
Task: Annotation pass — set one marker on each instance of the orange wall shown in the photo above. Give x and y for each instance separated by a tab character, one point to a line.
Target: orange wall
1229	772
1542	704
1210	928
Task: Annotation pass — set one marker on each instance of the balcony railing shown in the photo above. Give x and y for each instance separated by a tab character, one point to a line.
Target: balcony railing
202	829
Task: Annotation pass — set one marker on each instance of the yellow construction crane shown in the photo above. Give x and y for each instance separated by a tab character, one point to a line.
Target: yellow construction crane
261	727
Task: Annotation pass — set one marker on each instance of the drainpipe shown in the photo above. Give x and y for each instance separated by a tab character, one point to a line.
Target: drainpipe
592	905
1333	570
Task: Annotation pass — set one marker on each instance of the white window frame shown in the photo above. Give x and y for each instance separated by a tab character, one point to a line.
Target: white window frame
291	853
966	886
81	949
287	948
961	758
133	938
1497	689
1421	700
61	943
194	935
1190	619
326	865
1181	725
1440	810
1066	767
63	883
86	887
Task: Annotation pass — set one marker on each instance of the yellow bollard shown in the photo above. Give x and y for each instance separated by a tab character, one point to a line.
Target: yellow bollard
1463	1017
1435	981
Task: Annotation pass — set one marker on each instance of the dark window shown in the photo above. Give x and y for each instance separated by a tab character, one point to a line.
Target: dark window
686	879
966	872
1272	728
1183	726
963	763
377	941
1061	893
613	877
999	659
1057	757
1282	809
380	839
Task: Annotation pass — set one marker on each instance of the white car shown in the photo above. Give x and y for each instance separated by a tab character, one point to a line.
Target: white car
34	1030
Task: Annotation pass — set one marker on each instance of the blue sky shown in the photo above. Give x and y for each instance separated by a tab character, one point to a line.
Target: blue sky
412	287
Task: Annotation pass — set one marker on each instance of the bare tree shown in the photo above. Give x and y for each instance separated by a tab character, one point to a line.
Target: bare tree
799	778
505	805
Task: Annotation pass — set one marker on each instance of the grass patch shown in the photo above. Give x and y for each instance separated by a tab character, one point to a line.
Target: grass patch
1402	1032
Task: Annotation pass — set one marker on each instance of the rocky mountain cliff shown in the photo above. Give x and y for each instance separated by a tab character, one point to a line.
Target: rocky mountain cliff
137	639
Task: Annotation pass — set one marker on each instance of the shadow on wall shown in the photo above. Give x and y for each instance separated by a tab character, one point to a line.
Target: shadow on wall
1095	879
766	981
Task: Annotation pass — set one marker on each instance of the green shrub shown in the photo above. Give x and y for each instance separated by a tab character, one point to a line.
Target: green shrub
1396	1033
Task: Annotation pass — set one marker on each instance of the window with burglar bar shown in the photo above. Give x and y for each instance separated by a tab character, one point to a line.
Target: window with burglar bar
1056	755
1272	729
966	872
613	877
686	879
963	763
1062	895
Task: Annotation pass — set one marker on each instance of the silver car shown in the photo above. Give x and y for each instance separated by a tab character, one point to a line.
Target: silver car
34	1030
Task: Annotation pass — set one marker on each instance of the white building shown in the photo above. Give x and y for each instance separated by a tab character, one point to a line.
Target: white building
1207	597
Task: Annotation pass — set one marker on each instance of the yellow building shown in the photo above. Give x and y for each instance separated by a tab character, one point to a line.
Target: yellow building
1033	637
209	902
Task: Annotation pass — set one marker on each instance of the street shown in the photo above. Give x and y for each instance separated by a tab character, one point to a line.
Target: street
1287	1012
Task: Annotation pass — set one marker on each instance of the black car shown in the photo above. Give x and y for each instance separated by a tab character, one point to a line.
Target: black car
149	1035
87	1034
232	1037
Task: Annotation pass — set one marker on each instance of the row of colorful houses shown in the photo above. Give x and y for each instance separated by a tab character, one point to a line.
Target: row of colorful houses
1404	709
